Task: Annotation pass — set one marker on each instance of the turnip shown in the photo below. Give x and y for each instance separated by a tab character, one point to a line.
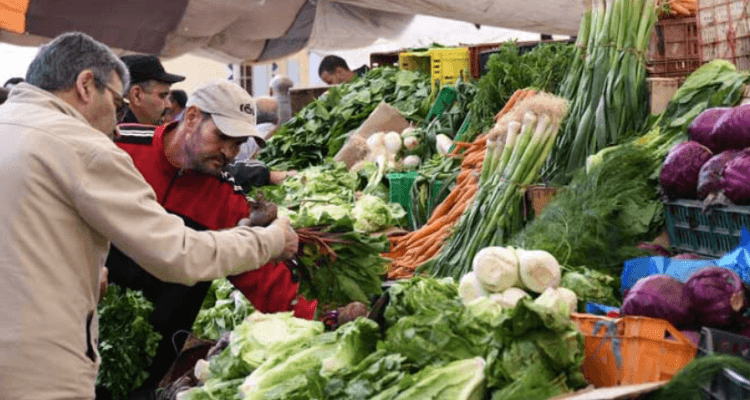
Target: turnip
392	142
411	142
411	162
408	132
443	144
376	141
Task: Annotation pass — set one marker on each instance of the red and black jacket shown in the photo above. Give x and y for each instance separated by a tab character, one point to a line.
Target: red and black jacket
205	202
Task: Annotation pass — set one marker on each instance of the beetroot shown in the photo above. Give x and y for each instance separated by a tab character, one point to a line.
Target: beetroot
679	174
263	213
701	127
659	296
352	311
709	177
717	294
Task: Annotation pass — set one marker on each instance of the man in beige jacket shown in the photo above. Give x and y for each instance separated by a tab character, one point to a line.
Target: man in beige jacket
68	191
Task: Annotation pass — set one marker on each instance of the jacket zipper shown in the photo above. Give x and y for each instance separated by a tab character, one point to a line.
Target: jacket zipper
169	188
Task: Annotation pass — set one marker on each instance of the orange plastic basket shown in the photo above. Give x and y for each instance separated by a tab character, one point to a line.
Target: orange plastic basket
631	350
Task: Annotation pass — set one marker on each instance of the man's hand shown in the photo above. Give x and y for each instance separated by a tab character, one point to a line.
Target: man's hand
278	177
291	241
103	284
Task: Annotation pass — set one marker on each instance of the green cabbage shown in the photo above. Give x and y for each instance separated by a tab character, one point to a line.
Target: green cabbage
372	214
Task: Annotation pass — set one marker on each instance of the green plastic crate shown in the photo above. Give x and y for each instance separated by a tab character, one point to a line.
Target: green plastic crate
399	190
399	186
712	234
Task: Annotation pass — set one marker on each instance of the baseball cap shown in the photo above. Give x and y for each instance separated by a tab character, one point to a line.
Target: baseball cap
231	107
147	67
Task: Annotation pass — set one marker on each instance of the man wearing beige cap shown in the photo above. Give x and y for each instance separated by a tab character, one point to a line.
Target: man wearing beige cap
184	162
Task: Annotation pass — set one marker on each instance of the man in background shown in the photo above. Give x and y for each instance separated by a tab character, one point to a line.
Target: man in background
177	99
333	70
279	90
149	89
268	116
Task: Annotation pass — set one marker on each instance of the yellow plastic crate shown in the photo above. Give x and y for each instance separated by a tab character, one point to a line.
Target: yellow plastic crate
445	66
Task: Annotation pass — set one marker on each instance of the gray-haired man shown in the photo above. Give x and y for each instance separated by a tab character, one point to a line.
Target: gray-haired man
68	191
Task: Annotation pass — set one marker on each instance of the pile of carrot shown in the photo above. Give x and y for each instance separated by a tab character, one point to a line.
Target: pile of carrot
415	248
683	8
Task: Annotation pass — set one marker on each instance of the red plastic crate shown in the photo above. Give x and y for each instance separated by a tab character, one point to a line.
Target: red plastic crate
674	49
474	51
724	27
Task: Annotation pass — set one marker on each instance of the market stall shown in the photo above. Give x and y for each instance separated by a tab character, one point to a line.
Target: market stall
535	233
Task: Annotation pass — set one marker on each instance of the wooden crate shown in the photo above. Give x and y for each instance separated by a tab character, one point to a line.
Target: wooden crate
301	97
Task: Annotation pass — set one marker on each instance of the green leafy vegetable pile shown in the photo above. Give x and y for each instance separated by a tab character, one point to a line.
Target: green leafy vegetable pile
328	183
127	341
224	307
339	260
434	348
543	68
320	129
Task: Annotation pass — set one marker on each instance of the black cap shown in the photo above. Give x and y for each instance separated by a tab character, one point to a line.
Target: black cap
147	67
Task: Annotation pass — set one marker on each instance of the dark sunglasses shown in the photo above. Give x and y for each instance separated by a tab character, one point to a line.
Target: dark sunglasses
120	102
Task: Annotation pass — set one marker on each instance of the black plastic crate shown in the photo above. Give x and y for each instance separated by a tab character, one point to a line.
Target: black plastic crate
722	342
728	385
710	234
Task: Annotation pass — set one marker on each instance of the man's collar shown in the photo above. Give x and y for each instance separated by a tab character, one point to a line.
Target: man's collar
130	118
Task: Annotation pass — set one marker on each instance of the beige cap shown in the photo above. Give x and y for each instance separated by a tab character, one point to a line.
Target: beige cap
230	106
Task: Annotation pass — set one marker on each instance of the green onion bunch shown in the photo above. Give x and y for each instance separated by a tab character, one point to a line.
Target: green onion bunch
606	84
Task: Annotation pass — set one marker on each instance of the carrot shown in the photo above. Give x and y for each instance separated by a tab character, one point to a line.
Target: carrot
509	104
679	9
443	207
430	228
432	250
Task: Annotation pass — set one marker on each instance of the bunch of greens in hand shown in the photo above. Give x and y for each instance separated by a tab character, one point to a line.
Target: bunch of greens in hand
127	341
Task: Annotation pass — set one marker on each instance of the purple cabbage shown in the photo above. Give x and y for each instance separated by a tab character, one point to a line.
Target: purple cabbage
679	174
735	178
701	127
731	131
659	296
717	295
709	177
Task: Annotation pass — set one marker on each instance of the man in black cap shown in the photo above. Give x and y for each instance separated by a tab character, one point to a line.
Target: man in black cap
149	89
